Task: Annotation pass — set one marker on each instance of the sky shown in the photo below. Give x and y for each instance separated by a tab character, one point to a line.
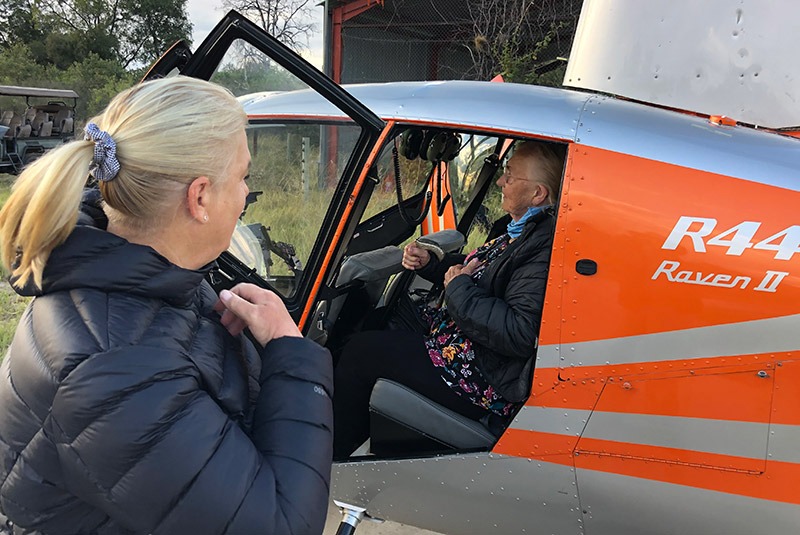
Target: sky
204	15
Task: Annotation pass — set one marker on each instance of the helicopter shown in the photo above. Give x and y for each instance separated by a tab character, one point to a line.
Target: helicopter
664	394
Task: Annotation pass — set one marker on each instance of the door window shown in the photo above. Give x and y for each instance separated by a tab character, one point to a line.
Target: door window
295	169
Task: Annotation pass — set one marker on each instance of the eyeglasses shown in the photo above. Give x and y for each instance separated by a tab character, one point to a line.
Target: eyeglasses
510	179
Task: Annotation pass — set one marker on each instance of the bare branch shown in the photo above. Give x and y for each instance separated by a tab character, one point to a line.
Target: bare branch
286	20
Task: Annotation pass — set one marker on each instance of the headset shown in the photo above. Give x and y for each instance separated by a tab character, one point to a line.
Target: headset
410	142
431	145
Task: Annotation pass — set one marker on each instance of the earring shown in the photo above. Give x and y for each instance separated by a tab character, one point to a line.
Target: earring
205	218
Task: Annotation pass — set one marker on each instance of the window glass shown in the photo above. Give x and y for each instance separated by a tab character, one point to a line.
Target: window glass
464	173
296	167
293	175
245	70
460	177
413	176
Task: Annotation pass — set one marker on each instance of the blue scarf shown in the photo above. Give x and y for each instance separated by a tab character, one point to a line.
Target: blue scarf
515	227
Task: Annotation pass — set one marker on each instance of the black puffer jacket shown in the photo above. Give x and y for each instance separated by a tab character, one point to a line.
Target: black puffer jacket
501	314
128	408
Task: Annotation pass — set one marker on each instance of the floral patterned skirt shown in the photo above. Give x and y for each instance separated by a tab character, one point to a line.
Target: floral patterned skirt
451	351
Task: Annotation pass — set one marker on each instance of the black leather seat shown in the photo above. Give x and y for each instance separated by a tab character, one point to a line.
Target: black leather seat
403	420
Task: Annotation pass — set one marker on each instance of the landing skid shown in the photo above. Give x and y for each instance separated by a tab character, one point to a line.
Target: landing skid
352	515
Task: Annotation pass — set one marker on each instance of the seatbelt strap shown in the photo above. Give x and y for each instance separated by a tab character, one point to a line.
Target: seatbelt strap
490	165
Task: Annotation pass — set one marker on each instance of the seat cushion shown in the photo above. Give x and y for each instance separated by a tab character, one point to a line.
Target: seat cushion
370	266
413	410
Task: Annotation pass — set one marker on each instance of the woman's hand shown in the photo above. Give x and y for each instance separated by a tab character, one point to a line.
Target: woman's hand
415	257
261	311
457	270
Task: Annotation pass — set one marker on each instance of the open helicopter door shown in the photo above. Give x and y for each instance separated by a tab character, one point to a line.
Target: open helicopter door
287	172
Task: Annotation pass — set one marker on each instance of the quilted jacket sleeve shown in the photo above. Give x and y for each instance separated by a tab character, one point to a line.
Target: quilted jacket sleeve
435	269
146	444
507	323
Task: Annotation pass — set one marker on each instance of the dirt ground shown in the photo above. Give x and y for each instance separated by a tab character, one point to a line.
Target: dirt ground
371	528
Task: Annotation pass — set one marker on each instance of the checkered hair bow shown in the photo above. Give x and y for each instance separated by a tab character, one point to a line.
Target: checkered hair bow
104	166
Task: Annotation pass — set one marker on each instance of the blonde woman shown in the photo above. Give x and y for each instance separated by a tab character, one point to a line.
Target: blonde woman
131	401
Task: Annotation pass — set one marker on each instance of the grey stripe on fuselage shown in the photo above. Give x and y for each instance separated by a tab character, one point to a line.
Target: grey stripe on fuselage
772	335
724	437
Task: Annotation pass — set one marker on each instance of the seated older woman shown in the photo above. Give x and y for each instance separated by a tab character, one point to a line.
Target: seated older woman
476	354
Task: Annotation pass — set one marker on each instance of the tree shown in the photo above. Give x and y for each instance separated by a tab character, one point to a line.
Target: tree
254	72
513	37
247	69
96	80
96	47
288	21
132	32
18	66
21	23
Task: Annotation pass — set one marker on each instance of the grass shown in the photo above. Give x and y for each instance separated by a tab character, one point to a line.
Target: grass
295	218
11	308
11	305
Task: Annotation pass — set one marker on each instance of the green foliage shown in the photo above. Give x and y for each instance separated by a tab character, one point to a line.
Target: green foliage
20	22
276	158
5	187
18	66
519	65
292	218
97	80
146	28
251	77
40	39
6	181
63	49
11	308
100	95
62	32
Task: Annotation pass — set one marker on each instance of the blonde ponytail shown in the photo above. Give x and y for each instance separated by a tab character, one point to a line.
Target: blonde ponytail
42	210
167	132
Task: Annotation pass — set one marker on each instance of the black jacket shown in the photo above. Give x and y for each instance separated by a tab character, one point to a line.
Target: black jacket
501	314
128	408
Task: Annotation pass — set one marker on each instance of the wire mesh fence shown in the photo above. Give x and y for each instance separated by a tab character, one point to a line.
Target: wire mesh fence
457	39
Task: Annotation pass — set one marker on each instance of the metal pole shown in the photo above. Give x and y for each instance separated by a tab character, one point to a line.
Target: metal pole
327	68
327	39
304	164
351	517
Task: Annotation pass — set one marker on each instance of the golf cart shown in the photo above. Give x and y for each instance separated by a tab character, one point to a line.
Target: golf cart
45	121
